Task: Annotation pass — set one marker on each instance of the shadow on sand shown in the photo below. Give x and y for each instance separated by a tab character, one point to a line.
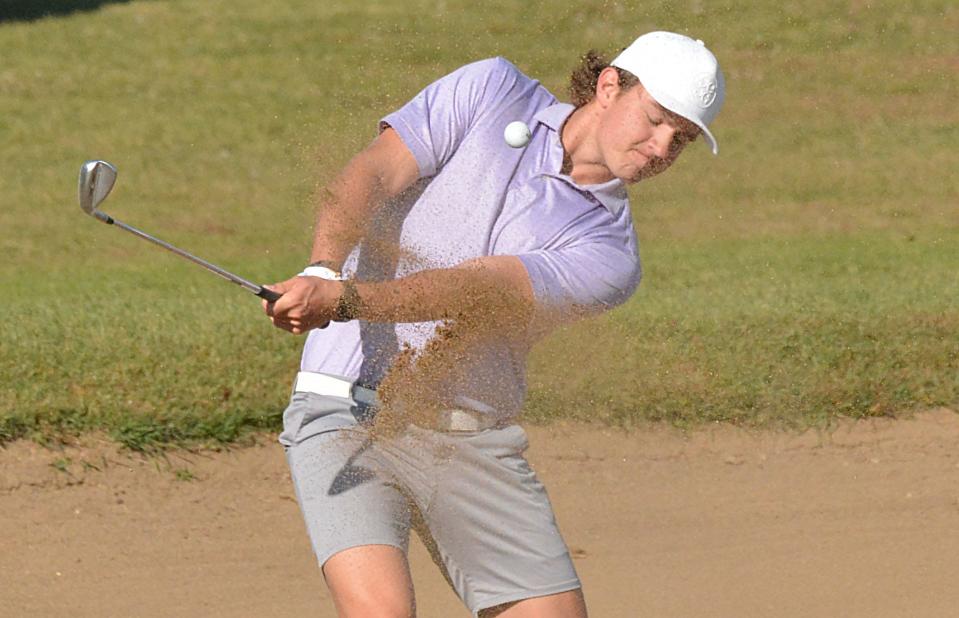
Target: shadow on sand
29	10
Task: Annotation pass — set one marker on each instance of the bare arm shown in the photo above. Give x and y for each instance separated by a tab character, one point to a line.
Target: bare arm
493	292
493	289
382	170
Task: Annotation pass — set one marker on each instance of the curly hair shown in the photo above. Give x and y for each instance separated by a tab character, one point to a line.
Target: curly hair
582	81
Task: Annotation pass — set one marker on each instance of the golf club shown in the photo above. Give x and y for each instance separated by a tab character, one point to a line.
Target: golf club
96	181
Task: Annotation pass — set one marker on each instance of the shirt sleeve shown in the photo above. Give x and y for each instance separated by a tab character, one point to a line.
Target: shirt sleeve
590	276
433	124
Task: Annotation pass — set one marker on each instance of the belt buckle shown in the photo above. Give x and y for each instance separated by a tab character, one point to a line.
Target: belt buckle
456	420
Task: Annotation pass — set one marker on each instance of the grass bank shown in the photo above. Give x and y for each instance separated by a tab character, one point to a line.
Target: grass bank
807	272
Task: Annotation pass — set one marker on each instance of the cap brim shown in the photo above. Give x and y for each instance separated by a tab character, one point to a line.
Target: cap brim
713	145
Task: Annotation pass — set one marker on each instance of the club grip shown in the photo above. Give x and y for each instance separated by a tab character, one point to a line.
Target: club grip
268	294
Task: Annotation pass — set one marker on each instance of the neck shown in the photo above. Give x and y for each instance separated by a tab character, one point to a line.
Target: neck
583	160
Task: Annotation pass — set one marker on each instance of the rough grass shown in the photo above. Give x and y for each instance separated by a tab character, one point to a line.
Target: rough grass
807	272
785	333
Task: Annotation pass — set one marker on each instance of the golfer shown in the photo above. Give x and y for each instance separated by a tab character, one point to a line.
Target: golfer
440	253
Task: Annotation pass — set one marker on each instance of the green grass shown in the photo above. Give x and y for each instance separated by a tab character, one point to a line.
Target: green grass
789	333
808	272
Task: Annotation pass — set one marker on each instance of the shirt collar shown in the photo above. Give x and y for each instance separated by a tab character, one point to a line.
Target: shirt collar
612	193
554	116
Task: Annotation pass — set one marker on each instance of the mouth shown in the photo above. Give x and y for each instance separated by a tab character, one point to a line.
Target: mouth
637	160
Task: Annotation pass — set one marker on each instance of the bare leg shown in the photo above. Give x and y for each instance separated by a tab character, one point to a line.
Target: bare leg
563	605
371	581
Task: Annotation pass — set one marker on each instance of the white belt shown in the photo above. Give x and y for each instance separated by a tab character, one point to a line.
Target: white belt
333	386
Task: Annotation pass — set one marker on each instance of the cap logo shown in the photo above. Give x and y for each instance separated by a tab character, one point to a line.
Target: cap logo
706	89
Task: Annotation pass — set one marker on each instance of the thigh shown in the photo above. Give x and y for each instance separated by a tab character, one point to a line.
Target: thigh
346	498
492	526
370	580
568	604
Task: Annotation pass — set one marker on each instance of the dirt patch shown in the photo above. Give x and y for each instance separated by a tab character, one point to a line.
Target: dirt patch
862	520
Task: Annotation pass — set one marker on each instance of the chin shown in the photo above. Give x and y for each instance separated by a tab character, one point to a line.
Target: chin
653	168
633	176
630	174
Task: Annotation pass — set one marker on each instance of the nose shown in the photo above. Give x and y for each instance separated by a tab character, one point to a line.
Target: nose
662	138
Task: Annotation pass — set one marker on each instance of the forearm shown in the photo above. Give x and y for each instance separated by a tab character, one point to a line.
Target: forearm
344	209
346	206
489	293
493	290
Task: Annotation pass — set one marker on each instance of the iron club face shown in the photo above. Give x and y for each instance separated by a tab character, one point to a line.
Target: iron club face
95	183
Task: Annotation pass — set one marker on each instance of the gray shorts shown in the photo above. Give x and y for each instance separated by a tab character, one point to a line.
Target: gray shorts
471	497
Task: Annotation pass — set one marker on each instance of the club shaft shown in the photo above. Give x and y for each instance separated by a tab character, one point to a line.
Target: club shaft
249	285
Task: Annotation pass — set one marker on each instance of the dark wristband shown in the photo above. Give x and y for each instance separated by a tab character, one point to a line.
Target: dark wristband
349	305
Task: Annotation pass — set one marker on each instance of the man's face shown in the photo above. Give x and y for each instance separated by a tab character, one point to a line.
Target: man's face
639	138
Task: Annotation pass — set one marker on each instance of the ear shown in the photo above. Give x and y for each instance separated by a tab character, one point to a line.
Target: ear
607	86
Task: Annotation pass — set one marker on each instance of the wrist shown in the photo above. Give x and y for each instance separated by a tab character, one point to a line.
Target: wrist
350	305
323	272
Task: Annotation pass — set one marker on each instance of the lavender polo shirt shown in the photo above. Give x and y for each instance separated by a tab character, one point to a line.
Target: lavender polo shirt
477	196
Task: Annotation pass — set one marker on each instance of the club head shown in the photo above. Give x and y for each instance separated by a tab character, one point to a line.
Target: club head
95	182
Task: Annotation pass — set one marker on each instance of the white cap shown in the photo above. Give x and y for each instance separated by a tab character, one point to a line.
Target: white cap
680	73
